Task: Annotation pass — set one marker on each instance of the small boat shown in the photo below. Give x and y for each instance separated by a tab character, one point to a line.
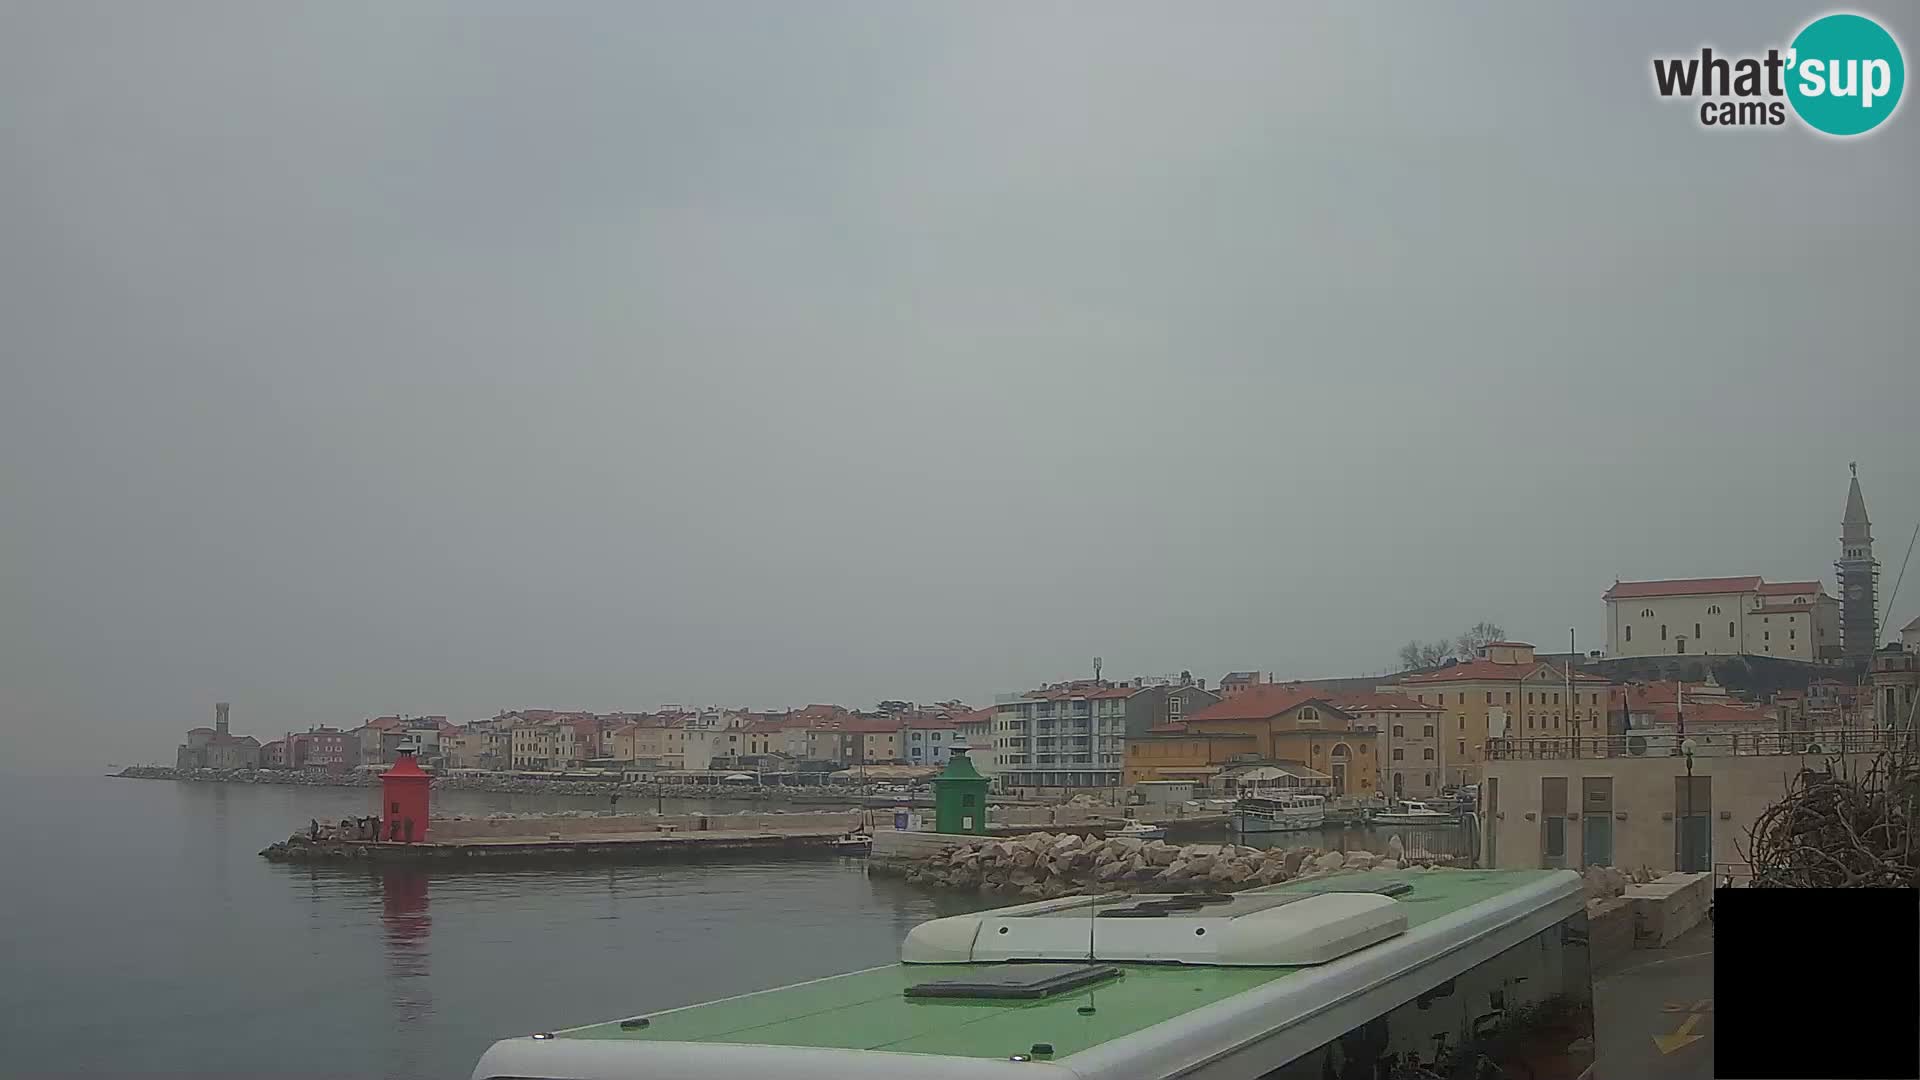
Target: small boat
853	844
1140	830
1279	813
1414	813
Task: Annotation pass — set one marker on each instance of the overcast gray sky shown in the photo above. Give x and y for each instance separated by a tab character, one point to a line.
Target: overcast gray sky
447	357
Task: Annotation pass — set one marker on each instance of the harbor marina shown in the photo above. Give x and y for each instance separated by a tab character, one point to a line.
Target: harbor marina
1433	969
1279	812
1411	812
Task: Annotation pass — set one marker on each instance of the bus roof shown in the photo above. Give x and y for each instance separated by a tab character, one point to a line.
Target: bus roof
870	1011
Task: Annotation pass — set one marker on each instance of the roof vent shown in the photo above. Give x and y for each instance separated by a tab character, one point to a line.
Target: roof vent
1258	928
1023	981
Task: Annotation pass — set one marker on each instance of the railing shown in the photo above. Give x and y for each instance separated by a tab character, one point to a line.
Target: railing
1667	743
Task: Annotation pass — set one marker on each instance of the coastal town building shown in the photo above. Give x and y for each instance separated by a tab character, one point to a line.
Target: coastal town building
1163	700
1894	682
1910	636
1792	620
1268	723
321	748
1504	694
1407	740
975	731
217	747
1236	682
1067	736
928	740
479	745
1663	808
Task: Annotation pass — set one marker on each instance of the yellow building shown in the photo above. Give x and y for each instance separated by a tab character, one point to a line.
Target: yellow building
1267	722
1184	756
1506	694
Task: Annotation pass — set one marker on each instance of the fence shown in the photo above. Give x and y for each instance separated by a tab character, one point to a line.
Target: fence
1667	743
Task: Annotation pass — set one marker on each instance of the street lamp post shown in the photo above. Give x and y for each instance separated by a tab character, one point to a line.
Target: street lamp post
1687	747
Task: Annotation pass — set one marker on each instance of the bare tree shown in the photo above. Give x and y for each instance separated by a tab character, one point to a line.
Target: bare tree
1425	654
1477	637
1465	646
1410	655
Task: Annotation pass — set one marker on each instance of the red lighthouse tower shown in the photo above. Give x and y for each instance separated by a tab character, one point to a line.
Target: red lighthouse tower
403	800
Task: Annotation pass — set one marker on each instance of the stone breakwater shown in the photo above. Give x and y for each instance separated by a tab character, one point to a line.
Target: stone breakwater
1045	865
503	785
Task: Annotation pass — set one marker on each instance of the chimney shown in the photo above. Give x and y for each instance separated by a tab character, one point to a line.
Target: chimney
220	718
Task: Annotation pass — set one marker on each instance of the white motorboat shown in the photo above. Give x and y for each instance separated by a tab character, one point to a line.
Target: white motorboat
1414	813
1140	830
853	844
1279	813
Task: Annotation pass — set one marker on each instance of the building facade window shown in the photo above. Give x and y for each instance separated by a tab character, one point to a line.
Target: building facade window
1696	631
1629	633
1663	631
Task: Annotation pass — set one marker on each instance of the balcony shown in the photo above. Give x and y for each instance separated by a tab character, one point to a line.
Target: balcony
1665	742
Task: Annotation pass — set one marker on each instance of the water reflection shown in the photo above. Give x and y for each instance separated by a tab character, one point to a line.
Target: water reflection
403	915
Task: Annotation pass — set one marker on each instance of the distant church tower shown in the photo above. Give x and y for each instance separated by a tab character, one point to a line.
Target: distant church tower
1859	574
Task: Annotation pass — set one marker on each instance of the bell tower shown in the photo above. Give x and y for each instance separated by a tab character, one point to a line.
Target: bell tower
1859	575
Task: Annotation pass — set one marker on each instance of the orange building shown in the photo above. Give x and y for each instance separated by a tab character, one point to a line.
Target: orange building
1266	722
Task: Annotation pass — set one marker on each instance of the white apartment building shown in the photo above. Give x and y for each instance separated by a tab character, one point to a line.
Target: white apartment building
1791	620
1065	736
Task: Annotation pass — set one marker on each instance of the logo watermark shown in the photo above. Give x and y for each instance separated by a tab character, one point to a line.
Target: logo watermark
1841	75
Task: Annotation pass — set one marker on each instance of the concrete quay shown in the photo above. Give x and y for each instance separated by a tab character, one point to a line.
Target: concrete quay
637	847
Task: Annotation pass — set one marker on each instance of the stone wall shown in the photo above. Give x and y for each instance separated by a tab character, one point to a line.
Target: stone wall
1044	865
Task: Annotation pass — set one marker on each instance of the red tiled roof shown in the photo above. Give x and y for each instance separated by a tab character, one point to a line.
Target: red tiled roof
1357	703
870	725
1789	588
977	716
1709	713
1623	590
931	723
1783	609
1488	671
1509	644
1261	701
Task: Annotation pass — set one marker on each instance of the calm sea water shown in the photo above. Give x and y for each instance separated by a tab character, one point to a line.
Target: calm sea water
141	933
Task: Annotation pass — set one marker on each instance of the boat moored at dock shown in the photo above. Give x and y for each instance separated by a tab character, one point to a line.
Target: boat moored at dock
1414	813
1272	813
1381	973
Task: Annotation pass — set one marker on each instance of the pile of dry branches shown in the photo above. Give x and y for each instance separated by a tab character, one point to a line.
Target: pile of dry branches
1842	828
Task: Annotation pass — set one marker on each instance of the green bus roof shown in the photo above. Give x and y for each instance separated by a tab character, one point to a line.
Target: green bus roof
869	1010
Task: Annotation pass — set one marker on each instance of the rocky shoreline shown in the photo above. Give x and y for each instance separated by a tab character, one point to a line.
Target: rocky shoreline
1046	865
501	785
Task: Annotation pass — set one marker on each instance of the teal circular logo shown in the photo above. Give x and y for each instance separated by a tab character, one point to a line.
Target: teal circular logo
1845	74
